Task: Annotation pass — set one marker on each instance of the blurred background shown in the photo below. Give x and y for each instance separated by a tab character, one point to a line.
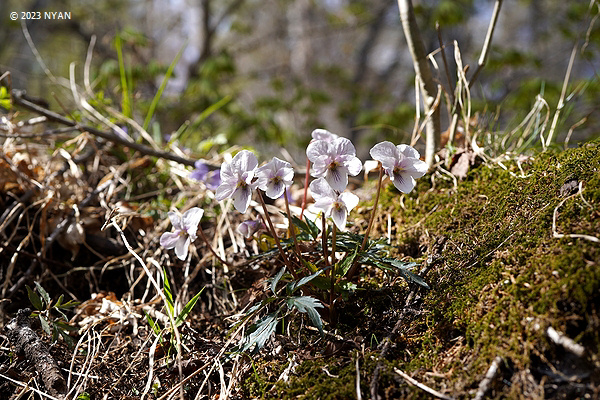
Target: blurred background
265	73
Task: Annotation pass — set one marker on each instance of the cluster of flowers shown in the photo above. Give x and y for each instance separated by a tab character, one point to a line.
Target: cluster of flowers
333	159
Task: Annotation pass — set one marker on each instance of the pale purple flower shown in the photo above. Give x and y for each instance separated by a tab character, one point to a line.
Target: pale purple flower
236	180
274	177
250	227
334	161
186	226
336	206
401	163
323	134
202	173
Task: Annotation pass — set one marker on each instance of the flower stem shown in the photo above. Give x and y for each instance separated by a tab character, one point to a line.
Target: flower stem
324	240
354	267
292	227
332	291
305	187
272	228
203	236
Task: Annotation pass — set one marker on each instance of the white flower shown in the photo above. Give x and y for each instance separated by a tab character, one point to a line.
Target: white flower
249	228
336	206
334	161
186	226
402	163
236	180
323	134
274	177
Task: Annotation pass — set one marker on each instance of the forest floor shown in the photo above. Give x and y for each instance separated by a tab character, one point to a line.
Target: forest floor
510	253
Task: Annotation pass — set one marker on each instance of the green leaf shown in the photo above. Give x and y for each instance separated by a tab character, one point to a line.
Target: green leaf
34	299
43	293
45	324
68	339
161	88
308	305
314	229
187	309
276	279
84	396
306	279
403	268
59	301
168	294
68	304
153	325
344	265
65	326
260	332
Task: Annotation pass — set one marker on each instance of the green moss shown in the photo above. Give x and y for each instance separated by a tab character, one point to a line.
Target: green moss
502	278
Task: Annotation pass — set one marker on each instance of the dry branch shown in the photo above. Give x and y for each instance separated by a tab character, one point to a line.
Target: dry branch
26	341
19	99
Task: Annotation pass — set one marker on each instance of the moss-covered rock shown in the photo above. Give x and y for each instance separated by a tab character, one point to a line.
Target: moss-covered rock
505	275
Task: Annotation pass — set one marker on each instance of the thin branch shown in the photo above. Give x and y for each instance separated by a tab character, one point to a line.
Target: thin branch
421	386
18	97
484	385
486	44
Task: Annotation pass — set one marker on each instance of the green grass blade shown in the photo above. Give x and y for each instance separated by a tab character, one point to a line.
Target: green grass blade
161	88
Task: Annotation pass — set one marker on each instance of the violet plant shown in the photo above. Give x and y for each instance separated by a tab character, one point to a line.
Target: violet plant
316	278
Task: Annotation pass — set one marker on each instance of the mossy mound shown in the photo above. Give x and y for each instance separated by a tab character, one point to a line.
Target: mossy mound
505	275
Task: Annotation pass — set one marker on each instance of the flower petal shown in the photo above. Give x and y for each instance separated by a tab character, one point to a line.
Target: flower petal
225	190
350	200
317	149
385	152
323	134
241	198
354	166
338	178
244	161
339	214
404	182
168	240
408	151
181	247
275	189
175	218
320	189
343	146
191	219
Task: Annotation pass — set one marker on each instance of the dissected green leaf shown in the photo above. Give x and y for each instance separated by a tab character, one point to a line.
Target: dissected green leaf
43	293
276	279
309	305
187	309
260	332
295	285
34	299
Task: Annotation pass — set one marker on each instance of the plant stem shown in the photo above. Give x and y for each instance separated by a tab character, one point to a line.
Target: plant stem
203	236
324	240
354	267
272	228
305	187
292	227
332	291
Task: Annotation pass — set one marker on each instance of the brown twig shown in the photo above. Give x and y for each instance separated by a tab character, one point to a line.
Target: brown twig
18	98
421	386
